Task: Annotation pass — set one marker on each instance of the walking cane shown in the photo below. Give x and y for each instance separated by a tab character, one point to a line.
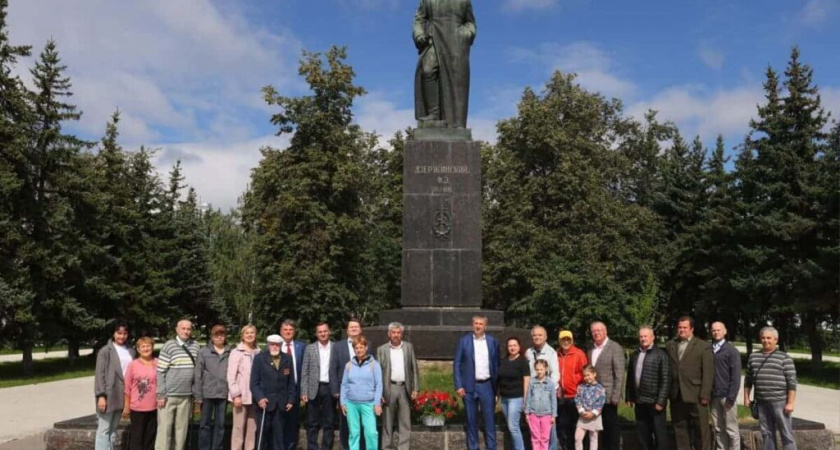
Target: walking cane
262	427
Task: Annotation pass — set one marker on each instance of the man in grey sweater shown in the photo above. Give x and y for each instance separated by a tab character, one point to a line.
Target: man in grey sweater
725	390
175	372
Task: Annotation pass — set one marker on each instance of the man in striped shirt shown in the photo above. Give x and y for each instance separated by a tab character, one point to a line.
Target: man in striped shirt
175	372
773	376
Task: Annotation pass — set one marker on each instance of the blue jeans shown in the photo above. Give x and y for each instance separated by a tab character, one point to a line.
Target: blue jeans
211	434
512	409
772	418
107	425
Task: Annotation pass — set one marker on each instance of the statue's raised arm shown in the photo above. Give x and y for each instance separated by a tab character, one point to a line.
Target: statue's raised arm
443	32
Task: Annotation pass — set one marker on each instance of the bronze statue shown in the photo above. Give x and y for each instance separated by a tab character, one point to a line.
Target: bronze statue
443	32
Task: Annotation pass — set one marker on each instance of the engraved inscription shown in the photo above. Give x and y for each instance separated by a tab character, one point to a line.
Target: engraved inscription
442	169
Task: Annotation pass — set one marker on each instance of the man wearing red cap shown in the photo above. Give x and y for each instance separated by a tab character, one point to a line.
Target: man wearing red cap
571	361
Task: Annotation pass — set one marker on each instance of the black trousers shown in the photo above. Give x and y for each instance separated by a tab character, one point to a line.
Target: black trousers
610	438
291	427
650	427
567	418
142	431
319	417
272	428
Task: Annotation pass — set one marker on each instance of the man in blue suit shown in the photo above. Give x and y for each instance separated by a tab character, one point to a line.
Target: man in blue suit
475	369
273	390
294	349
343	352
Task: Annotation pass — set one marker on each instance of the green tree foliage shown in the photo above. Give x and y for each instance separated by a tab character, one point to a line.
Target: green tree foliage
231	265
562	244
785	234
305	204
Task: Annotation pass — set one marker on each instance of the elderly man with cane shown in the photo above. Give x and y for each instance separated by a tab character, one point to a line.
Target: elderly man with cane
273	390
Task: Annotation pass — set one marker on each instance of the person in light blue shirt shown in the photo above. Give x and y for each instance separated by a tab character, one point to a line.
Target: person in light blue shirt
361	393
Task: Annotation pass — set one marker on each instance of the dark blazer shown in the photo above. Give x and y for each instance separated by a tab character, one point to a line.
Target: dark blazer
655	382
338	362
463	367
693	377
276	385
108	380
412	372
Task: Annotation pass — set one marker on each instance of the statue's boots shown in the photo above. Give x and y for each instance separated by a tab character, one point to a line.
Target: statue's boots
431	97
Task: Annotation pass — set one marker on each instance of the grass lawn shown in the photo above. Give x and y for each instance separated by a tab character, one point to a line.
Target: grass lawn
53	369
828	377
437	376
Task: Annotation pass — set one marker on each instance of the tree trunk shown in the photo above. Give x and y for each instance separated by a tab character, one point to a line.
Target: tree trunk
72	350
812	329
27	358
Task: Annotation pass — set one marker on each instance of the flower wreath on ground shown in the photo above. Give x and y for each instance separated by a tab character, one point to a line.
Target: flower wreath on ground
436	404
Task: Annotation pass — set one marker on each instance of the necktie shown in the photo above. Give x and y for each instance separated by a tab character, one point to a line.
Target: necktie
289	348
681	348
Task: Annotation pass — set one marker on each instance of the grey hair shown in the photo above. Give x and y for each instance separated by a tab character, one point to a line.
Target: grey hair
647	327
770	330
395	326
481	317
538	327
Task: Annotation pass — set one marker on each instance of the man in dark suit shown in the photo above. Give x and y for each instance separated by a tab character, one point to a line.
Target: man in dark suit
608	358
401	380
692	377
343	353
315	389
475	369
273	390
647	389
294	349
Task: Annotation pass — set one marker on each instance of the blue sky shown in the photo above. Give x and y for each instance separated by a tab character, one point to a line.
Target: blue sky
186	74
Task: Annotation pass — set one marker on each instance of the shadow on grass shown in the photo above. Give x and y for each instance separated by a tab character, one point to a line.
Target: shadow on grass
44	371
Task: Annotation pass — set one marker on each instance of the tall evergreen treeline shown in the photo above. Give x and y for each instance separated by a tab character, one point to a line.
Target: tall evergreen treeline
588	214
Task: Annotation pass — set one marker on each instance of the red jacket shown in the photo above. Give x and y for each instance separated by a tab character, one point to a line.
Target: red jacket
571	370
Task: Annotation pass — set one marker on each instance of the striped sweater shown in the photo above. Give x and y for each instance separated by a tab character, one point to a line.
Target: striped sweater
176	369
776	378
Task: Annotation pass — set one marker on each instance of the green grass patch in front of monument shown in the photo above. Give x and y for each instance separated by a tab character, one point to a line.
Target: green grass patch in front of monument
46	370
827	377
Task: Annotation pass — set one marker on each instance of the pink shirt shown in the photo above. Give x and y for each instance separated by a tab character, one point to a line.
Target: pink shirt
141	385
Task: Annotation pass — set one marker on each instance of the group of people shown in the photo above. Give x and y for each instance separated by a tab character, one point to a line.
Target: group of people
336	381
566	396
579	392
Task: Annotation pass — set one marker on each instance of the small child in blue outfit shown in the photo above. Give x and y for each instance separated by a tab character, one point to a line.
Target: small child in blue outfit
589	401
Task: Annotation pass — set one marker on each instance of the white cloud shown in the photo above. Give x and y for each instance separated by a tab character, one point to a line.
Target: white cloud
375	114
830	97
219	173
816	12
518	5
713	58
697	110
595	67
172	68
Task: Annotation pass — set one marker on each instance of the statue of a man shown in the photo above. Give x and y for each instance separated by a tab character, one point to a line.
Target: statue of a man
443	32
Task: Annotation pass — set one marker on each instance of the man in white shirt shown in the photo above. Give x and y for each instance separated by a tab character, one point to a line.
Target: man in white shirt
295	349
475	369
315	389
400	379
608	358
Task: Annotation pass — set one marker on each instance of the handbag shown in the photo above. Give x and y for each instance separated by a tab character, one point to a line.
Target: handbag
753	402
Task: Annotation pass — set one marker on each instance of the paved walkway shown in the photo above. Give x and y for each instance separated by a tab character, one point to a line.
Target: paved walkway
757	347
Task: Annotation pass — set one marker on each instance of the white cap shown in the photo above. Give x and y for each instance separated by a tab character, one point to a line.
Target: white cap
274	339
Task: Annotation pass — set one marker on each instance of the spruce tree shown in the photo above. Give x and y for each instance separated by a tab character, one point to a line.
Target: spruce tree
305	204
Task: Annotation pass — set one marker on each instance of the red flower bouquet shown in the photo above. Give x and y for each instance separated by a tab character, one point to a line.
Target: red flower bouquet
436	404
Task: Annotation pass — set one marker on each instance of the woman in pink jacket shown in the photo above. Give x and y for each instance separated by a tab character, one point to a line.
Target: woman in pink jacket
239	387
